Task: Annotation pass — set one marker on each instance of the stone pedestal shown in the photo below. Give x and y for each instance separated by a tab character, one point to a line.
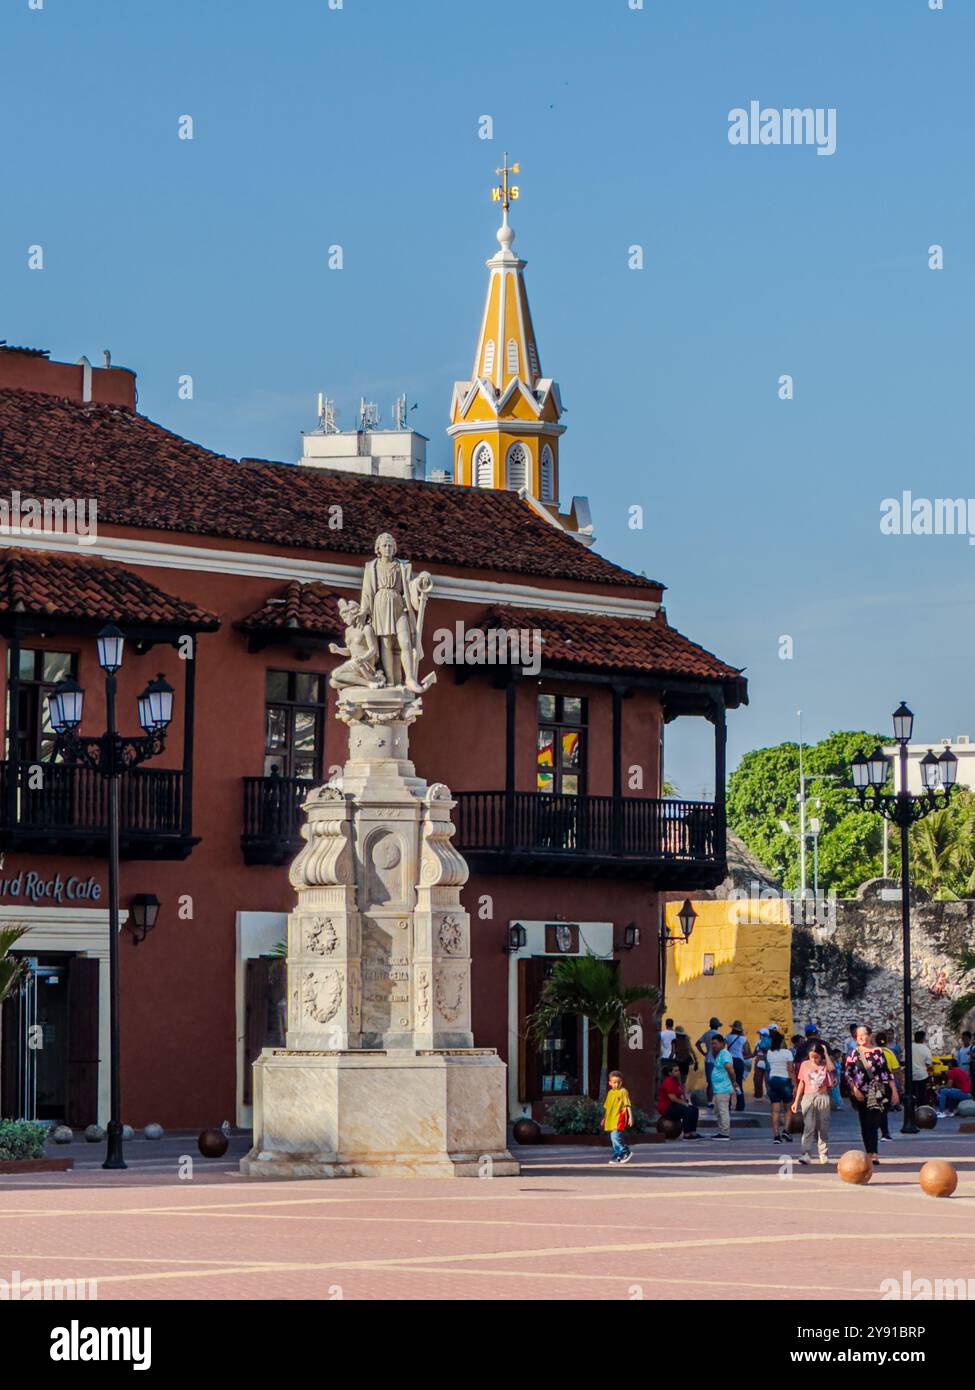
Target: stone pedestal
379	1076
394	1114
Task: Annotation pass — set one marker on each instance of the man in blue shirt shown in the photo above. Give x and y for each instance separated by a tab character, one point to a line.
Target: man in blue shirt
722	1085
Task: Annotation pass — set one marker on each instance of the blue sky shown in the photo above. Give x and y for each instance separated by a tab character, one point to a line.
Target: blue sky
359	126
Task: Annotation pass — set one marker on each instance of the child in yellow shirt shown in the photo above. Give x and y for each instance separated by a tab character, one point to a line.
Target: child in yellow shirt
616	1106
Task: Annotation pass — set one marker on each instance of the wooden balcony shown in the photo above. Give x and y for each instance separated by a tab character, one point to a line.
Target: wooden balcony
675	844
272	818
56	808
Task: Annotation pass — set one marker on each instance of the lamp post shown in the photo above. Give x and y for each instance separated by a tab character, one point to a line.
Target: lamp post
686	918
108	756
901	807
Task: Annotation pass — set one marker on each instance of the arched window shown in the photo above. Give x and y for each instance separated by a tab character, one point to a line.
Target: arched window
482	470
512	357
516	467
489	357
546	473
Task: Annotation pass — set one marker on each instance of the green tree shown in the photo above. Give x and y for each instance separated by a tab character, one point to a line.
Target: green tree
763	791
590	988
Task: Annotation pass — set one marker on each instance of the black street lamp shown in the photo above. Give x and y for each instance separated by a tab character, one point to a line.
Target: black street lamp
110	755
686	918
901	807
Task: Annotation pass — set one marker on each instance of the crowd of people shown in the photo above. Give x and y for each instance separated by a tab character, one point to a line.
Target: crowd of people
805	1075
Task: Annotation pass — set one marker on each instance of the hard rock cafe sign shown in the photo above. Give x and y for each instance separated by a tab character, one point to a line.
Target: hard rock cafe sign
37	889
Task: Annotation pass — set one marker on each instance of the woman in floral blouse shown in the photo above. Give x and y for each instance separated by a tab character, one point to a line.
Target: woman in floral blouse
871	1087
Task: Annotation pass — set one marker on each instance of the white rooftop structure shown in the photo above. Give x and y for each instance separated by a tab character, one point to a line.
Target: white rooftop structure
367	450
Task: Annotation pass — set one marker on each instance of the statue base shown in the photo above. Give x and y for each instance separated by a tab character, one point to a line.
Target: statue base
395	1114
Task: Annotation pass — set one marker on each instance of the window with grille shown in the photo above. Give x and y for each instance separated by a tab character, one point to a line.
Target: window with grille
294	723
547	475
483	466
512	357
489	357
516	466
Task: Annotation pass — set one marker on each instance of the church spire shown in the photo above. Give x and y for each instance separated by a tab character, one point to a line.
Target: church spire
504	421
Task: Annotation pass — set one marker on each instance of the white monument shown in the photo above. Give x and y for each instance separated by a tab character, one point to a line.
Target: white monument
379	1076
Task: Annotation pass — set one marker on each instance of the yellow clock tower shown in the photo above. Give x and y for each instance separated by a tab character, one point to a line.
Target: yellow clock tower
504	422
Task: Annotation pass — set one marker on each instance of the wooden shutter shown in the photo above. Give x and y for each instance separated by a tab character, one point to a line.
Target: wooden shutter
82	1088
531	979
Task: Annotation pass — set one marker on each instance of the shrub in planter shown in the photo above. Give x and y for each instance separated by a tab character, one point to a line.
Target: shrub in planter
580	1116
585	1116
21	1139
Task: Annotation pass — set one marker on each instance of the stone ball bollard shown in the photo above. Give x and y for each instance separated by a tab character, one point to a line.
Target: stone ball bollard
61	1134
670	1129
699	1097
856	1167
925	1117
212	1143
525	1130
938	1178
153	1132
966	1109
94	1134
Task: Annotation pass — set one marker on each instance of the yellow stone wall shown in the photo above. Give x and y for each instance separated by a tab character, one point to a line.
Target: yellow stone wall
751	944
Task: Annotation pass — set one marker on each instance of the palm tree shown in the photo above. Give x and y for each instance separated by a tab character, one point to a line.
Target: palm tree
11	968
963	1005
589	987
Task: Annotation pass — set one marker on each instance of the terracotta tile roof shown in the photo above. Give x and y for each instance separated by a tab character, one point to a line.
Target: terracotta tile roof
144	476
38	583
300	607
595	642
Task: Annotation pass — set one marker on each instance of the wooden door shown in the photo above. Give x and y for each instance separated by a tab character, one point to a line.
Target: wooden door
82	1078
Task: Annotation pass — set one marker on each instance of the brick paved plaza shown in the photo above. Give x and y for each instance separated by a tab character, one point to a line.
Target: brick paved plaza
688	1221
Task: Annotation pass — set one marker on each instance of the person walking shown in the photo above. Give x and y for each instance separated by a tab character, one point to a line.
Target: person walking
683	1054
722	1085
870	1085
740	1049
808	1040
703	1046
814	1081
618	1118
836	1057
781	1085
761	1066
922	1066
672	1103
963	1055
666	1044
893	1067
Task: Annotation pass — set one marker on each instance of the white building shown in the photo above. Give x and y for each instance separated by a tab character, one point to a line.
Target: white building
367	450
963	748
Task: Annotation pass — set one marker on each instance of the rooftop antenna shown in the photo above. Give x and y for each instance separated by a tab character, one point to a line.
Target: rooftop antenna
327	415
401	412
368	415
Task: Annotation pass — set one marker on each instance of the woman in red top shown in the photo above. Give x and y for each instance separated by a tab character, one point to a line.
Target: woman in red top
672	1102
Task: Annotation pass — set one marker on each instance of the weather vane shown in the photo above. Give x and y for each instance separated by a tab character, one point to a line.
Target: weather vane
505	193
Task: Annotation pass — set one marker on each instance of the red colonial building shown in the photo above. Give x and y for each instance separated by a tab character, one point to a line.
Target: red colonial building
224	577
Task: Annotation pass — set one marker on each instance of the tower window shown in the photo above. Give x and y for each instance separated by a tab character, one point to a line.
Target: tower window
489	357
547	475
483	466
512	357
516	467
532	356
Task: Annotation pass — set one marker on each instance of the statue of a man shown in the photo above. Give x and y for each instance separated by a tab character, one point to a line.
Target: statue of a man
393	602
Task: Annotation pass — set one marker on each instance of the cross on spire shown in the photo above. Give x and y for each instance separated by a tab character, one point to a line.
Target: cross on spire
505	193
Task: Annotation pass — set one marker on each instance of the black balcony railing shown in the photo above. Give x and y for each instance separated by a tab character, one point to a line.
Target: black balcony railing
63	807
584	826
272	818
524	831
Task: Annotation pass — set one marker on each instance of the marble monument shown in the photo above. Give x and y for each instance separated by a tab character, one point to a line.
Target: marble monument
379	1075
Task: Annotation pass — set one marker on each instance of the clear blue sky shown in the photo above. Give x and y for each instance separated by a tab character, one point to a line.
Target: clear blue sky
359	126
